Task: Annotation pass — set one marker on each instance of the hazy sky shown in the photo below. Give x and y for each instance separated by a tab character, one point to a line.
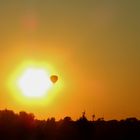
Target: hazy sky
94	46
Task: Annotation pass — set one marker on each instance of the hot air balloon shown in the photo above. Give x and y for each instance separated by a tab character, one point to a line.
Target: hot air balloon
54	78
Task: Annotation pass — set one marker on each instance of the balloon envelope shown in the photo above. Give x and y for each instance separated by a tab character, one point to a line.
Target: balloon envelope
54	78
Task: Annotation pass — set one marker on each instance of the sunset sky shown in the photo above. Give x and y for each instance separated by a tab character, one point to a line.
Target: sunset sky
92	45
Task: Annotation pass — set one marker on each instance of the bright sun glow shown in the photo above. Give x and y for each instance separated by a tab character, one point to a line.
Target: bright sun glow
34	82
31	83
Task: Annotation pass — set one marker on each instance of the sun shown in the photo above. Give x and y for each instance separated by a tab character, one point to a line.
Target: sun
34	82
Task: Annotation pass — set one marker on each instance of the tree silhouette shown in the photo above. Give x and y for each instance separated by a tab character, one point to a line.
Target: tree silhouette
24	126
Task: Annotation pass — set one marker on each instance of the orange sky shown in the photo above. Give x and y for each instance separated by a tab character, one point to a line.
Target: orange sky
92	46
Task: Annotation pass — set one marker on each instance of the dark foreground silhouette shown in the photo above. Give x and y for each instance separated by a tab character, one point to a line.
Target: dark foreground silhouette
24	126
